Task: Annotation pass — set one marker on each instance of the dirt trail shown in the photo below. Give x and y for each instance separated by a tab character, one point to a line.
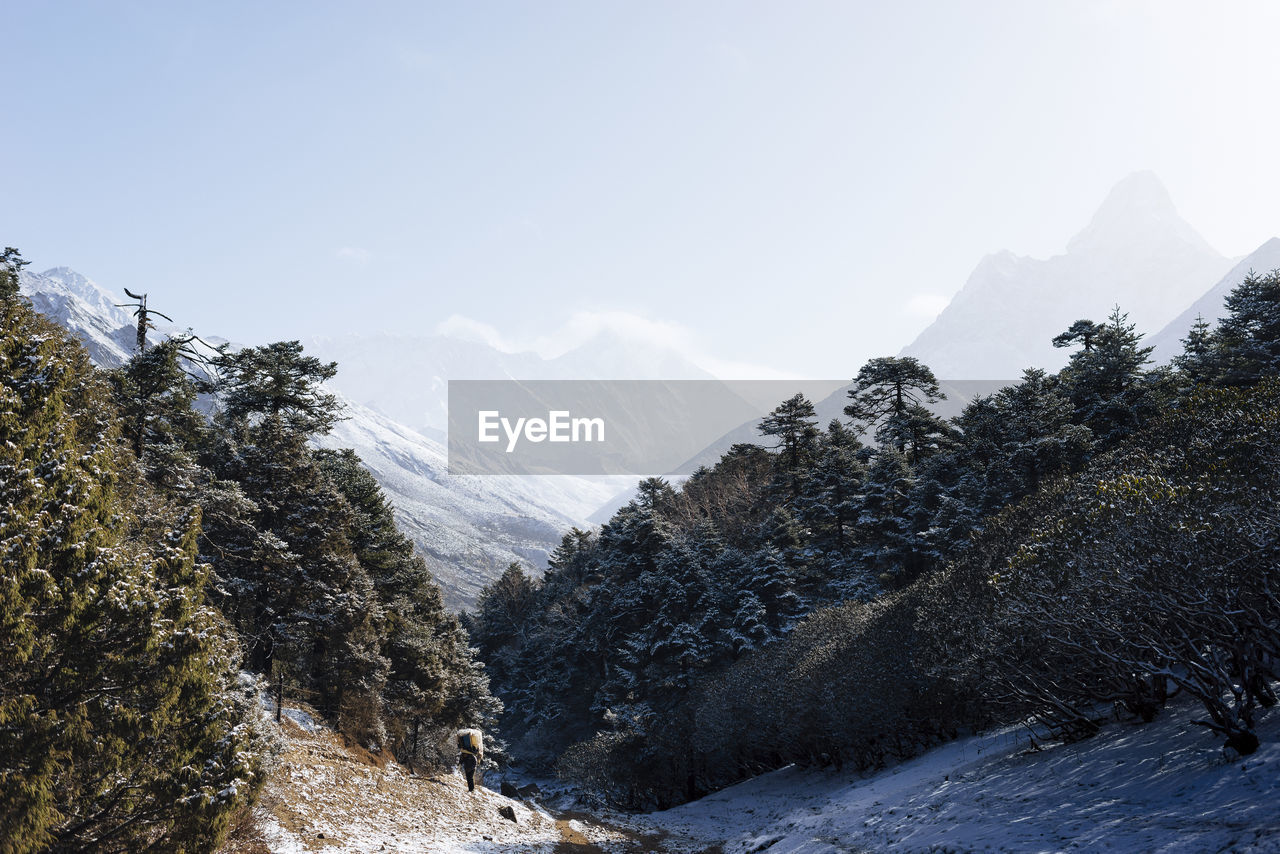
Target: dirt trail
574	841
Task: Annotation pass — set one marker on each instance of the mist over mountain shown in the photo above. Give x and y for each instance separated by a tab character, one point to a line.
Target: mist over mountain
406	377
1136	252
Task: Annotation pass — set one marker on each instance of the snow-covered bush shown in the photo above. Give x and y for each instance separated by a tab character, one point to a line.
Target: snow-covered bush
1155	570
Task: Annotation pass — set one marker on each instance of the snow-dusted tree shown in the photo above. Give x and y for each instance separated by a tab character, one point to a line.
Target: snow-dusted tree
277	382
884	533
1106	384
1008	444
11	264
791	423
120	727
890	394
295	588
827	506
156	398
503	622
1250	333
1198	360
767	577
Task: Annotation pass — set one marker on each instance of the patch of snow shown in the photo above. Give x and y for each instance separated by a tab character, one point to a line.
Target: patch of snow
302	719
1160	787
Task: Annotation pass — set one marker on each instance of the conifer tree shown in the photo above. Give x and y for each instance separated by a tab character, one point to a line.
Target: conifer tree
423	666
11	265
278	382
890	393
827	507
1198	359
119	724
156	398
1105	380
884	532
791	423
296	590
1008	444
1081	332
1250	333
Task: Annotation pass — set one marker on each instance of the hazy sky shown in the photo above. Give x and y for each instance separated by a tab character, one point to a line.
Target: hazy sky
797	185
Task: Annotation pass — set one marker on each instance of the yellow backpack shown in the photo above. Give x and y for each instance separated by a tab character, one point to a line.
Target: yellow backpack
470	741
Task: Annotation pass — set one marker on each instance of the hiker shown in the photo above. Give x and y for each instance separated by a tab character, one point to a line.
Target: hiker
470	751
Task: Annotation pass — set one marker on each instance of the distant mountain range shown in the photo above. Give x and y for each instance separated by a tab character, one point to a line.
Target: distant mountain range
1136	252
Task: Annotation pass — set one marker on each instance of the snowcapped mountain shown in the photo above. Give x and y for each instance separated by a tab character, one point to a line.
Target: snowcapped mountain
1136	252
86	309
1211	306
470	528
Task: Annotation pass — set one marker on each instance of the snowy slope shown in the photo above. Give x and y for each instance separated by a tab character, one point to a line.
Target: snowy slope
1162	787
470	528
1211	306
1136	252
86	309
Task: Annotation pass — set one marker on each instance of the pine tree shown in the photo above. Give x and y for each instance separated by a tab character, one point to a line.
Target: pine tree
828	506
771	581
292	581
500	625
156	398
791	423
11	265
1082	332
1250	333
1105	380
119	724
884	531
1008	444
278	382
890	394
1198	359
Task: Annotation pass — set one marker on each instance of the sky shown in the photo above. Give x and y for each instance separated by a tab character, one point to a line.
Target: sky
772	188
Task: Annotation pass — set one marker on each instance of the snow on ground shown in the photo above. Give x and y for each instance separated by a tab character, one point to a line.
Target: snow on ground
323	794
1162	787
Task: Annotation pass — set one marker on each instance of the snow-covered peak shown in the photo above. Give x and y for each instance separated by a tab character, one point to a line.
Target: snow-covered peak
88	291
84	308
1136	213
1136	252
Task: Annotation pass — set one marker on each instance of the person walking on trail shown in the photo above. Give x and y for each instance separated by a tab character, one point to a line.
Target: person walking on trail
470	751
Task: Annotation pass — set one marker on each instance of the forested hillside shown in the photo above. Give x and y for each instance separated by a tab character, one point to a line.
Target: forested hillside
1075	545
152	551
1078	545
